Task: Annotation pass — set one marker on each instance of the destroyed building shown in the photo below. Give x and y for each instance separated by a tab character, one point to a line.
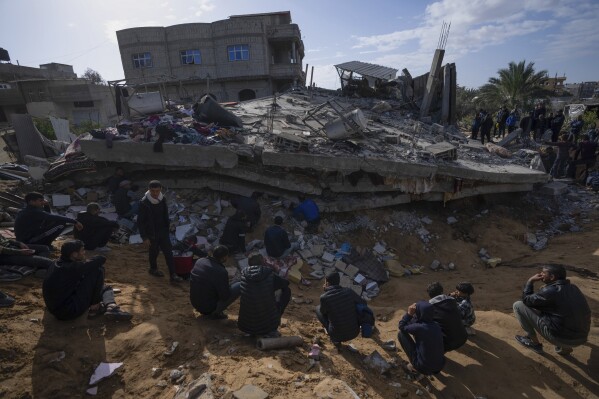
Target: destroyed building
240	58
338	150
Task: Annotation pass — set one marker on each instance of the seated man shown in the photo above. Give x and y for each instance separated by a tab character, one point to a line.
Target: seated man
307	210
447	314
425	350
123	200
259	309
234	233
250	206
276	240
463	292
96	229
209	289
559	312
337	310
74	284
19	254
33	225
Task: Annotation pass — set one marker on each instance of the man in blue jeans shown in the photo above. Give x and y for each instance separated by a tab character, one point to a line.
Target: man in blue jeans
209	289
558	311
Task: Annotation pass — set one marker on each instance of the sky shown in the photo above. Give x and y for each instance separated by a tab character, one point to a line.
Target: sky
559	36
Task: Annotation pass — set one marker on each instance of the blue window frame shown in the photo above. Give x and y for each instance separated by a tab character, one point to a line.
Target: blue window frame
190	57
142	60
239	52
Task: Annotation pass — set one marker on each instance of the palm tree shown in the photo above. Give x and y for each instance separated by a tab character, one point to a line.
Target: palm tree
517	85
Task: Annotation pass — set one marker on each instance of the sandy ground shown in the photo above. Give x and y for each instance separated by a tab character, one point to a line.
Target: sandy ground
490	365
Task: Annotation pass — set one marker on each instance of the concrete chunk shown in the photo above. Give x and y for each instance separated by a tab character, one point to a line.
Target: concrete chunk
554	188
250	392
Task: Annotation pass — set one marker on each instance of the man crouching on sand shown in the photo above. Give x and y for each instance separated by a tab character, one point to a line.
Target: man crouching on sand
559	312
74	285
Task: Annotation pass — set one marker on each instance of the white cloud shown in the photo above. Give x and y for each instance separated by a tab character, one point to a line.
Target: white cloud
477	24
203	7
111	26
165	4
325	76
71	24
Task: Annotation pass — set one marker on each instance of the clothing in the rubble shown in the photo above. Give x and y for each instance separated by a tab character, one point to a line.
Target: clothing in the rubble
337	313
308	211
153	223
234	233
447	314
70	287
250	206
16	253
33	225
209	289
276	241
259	310
96	230
425	350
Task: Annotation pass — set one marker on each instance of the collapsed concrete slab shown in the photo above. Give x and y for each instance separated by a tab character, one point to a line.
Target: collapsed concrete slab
365	170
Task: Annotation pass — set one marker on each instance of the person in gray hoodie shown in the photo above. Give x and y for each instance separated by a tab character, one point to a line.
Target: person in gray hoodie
425	349
447	314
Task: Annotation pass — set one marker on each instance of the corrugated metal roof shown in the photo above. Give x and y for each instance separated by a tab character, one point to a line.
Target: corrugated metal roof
366	69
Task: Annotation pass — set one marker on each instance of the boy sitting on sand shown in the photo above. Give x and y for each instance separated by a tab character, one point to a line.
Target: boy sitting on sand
462	295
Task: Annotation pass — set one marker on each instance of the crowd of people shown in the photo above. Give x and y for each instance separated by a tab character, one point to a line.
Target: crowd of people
74	284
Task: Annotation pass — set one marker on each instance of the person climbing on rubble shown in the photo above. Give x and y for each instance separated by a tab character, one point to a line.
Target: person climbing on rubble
425	349
563	156
337	310
558	311
447	314
250	206
75	285
233	236
307	211
264	297
96	229
34	225
124	201
209	289
154	224
276	240
463	292
485	127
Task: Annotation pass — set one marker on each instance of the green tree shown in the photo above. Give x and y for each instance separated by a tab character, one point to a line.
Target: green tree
518	85
93	76
467	103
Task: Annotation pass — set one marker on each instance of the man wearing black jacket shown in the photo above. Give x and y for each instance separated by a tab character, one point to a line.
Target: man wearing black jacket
259	309
96	229
154	224
33	225
447	314
337	310
559	312
276	240
234	233
74	285
209	289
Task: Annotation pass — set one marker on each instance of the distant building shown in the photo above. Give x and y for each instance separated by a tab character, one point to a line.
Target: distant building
53	89
240	58
584	89
555	84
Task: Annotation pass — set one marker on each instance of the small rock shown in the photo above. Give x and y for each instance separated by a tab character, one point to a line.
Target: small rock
451	220
426	220
403	393
483	253
162	384
156	371
250	392
175	374
435	265
419	392
451	266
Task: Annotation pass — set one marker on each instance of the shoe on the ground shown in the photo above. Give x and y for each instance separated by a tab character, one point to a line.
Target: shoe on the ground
175	278
156	272
6	301
8	276
272	334
103	249
94	313
527	342
218	316
564	351
115	313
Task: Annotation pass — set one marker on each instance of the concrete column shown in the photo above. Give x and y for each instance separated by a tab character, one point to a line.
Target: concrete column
431	84
446	96
293	53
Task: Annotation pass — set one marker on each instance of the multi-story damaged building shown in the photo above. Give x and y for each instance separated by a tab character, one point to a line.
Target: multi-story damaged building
240	58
